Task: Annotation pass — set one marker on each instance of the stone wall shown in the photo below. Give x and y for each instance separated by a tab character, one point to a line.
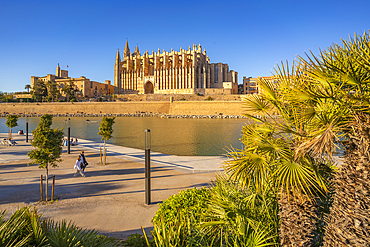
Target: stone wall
174	108
177	97
206	108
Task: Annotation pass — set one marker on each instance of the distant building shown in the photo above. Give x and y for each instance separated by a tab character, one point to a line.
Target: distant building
85	87
22	96
176	72
251	86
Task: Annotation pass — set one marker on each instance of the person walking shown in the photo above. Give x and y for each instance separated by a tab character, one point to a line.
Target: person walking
84	162
78	166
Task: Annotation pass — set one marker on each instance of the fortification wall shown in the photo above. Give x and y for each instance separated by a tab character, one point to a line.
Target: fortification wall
174	108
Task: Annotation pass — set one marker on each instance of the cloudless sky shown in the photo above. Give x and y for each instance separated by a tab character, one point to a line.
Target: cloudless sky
251	36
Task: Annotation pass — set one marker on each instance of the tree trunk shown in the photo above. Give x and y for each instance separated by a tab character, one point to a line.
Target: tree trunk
10	136
349	221
47	183
297	222
105	153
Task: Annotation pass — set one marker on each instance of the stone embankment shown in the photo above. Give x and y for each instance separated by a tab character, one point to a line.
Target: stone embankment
139	114
222	109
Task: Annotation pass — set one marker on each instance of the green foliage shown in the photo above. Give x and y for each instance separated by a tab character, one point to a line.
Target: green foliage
225	215
70	90
176	217
27	87
237	216
39	91
52	91
135	240
48	144
186	201
69	235
176	232
26	228
106	128
209	98
11	121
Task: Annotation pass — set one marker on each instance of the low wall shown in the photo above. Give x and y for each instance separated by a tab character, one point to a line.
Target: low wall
174	108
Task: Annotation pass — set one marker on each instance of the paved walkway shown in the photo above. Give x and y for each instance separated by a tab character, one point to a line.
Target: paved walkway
192	164
111	197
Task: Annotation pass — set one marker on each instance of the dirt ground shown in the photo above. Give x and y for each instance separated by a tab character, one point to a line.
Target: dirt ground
110	199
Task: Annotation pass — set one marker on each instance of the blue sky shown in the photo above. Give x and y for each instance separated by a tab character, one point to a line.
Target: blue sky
251	36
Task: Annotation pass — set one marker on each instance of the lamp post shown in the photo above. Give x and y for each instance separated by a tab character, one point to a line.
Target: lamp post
68	137
26	128
147	166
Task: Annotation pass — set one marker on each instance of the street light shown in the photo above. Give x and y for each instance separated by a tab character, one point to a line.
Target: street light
147	166
68	137
27	128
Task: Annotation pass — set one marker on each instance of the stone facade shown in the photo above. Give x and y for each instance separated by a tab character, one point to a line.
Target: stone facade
250	85
176	72
85	86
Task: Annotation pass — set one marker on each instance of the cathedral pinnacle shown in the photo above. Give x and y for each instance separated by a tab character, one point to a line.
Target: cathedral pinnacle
126	51
117	56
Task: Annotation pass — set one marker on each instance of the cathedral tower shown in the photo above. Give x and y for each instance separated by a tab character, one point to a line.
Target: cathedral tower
117	74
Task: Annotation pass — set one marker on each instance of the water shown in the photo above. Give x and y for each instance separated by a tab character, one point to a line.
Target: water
194	137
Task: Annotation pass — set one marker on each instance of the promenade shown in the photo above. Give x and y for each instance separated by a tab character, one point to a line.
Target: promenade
110	198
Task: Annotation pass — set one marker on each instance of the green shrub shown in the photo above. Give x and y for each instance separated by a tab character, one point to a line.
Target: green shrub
135	240
190	200
209	98
175	220
26	228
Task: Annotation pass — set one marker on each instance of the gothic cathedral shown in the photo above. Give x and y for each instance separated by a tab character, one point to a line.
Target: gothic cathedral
176	72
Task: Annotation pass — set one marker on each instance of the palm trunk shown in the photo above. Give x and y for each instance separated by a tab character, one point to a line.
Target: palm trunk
349	221
297	222
47	183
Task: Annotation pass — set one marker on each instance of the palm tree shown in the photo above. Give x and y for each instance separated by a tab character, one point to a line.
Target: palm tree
341	75
238	216
270	154
27	87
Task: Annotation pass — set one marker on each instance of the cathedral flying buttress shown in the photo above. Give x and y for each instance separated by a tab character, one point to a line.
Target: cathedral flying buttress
176	72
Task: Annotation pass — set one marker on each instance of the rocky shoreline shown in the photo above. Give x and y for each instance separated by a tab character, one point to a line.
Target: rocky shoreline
138	114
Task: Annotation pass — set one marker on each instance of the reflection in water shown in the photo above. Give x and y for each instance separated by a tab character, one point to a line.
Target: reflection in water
178	136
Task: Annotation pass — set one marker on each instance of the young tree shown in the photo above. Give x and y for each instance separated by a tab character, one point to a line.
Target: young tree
48	145
106	130
11	122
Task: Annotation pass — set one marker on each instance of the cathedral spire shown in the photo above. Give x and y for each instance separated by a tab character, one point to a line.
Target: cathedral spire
118	58
137	52
126	51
